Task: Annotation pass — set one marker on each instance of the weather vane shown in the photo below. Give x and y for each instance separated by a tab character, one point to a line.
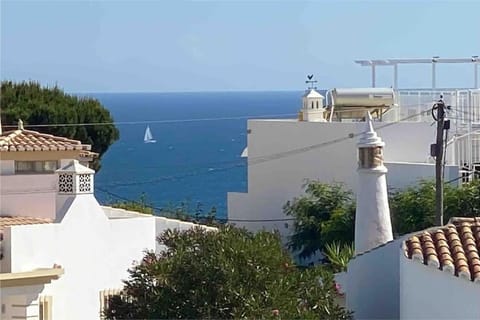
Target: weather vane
311	82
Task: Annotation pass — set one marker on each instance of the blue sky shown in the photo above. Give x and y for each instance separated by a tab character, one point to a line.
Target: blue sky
231	45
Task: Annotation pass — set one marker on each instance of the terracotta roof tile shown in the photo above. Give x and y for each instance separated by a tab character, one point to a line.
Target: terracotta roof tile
27	140
453	248
6	221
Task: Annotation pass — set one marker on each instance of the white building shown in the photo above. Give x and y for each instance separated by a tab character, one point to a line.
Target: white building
431	274
61	253
283	154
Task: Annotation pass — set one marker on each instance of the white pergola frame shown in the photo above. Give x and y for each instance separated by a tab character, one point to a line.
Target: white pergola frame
475	60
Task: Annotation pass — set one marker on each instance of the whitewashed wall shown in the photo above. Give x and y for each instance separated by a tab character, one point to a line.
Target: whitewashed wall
403	174
373	288
40	190
94	251
428	293
271	184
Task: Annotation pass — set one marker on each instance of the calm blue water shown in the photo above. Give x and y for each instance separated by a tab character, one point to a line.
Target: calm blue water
192	162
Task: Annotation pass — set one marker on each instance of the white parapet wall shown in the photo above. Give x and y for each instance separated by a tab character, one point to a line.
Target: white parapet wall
453	297
372	285
94	245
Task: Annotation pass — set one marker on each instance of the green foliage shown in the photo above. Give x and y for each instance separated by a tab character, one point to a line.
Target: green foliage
228	274
184	211
323	215
141	206
41	105
413	208
339	255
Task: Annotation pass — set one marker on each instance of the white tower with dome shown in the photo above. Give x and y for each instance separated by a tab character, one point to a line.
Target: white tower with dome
312	104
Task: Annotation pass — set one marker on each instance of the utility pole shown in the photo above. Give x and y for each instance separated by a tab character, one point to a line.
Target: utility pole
439	107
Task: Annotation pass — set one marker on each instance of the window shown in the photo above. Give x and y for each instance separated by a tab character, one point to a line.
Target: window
317	104
45	308
105	296
312	104
370	157
36	166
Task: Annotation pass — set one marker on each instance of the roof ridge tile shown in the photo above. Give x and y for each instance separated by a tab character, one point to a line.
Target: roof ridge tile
28	140
453	248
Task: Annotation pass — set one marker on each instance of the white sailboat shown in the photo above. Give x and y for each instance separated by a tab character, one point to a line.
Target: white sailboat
148	136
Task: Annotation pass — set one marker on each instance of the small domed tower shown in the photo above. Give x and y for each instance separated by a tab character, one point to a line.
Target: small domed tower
312	103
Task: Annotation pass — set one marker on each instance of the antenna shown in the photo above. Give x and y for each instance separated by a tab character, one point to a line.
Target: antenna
311	82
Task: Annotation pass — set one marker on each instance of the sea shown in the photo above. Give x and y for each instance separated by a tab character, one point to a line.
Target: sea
196	159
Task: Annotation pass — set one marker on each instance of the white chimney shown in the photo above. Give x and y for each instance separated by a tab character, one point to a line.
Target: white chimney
73	180
372	222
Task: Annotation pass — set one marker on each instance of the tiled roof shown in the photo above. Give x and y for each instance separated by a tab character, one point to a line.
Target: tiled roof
453	248
6	221
27	140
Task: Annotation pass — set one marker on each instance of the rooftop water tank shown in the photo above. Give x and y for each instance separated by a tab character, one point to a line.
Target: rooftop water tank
363	97
352	103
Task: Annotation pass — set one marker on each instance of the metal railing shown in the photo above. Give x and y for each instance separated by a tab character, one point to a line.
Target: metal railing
464	112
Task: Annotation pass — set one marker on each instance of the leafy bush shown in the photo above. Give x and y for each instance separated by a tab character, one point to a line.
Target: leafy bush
324	214
228	274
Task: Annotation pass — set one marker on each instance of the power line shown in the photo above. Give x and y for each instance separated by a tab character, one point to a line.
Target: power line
178	120
261	159
460	177
153	121
255	161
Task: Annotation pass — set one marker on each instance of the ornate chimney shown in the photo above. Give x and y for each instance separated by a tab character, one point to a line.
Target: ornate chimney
372	224
73	180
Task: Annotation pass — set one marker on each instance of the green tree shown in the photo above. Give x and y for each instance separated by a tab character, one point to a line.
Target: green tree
324	214
225	274
35	104
413	208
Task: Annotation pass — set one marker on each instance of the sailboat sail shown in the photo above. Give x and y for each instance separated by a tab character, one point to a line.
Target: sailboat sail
148	136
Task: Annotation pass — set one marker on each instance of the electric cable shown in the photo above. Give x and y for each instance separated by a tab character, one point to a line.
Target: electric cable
152	121
259	160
